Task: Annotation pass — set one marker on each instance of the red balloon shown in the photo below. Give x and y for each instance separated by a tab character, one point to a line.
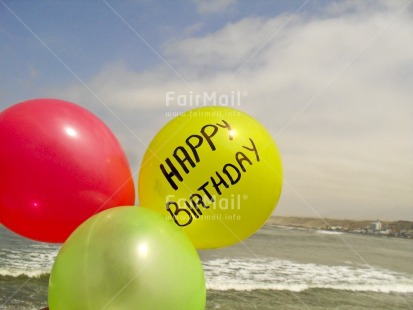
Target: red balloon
59	165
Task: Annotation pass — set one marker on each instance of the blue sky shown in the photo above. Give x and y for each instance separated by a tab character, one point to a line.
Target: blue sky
330	80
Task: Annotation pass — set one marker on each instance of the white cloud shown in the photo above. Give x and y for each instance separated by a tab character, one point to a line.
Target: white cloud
213	6
227	48
335	91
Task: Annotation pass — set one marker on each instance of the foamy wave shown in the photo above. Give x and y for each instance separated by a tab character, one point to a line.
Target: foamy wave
329	232
269	274
20	273
31	261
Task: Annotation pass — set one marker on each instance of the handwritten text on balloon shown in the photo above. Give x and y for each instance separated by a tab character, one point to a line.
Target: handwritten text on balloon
186	157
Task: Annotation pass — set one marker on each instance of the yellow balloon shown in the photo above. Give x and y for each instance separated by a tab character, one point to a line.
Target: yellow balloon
214	171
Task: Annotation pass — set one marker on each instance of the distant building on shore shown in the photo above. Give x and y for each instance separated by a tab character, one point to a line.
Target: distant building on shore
375	226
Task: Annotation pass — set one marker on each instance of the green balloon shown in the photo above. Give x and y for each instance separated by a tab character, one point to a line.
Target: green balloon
127	258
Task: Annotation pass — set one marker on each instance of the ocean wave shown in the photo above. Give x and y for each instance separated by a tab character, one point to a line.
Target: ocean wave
292	227
27	261
390	288
329	232
269	274
35	274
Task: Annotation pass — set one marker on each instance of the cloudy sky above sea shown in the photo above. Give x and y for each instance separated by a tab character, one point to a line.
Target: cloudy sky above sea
332	81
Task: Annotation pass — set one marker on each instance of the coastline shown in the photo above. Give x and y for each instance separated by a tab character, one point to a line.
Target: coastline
285	267
400	228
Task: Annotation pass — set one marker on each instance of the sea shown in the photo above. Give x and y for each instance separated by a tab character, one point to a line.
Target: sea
277	268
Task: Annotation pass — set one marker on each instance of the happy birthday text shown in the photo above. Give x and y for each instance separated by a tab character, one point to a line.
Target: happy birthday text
186	157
